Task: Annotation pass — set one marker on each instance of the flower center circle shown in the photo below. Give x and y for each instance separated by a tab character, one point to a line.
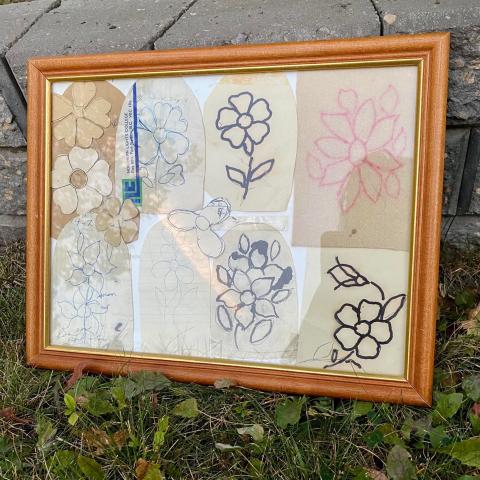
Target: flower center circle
160	135
362	328
79	112
247	297
78	178
202	223
245	120
358	152
88	269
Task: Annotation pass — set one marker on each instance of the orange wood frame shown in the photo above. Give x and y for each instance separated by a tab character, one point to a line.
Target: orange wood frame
432	49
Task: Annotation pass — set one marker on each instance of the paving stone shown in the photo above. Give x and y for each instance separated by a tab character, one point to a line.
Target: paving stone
221	22
10	134
13	165
92	26
456	145
462	231
462	19
17	18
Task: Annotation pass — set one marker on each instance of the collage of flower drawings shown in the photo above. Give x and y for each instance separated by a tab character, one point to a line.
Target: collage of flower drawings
254	217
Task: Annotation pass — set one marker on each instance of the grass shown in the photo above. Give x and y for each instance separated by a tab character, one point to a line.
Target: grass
134	428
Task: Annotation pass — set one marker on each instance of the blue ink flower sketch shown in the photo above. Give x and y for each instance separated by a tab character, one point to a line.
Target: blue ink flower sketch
244	125
162	142
256	285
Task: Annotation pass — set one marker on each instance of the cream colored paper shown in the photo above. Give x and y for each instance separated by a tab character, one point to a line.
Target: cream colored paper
251	134
91	289
254	297
84	123
161	146
354	173
174	288
353	293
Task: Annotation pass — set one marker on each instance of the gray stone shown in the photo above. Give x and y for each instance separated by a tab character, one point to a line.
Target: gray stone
17	18
13	165
10	134
91	26
462	19
220	22
462	231
473	160
456	144
12	228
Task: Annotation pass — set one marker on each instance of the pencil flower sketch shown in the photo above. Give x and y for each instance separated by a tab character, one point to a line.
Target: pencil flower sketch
162	142
361	153
203	222
85	309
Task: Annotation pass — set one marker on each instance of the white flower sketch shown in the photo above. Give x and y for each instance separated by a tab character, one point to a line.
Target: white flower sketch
202	222
80	181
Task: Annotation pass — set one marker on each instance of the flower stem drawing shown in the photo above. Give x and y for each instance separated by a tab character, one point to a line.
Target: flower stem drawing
364	327
244	179
244	125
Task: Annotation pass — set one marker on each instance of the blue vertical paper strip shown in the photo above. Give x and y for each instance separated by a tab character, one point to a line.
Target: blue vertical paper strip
132	188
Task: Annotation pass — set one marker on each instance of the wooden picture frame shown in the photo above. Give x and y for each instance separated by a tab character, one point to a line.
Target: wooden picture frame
427	52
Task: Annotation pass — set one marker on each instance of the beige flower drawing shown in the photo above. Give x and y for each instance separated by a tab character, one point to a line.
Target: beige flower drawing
116	219
79	121
80	181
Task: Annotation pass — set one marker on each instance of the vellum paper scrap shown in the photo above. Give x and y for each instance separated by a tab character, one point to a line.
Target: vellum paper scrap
254	297
84	123
160	150
251	134
355	159
174	287
354	311
91	289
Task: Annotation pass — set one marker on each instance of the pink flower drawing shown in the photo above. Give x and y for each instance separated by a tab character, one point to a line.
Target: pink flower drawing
361	152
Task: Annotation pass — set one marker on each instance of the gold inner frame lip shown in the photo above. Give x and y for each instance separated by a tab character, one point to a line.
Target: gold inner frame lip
201	361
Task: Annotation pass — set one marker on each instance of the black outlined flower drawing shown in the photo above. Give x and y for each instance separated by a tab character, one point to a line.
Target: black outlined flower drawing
244	122
256	284
202	222
364	327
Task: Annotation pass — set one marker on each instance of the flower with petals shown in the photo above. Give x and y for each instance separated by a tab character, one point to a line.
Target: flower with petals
162	139
80	181
117	220
85	305
255	286
82	119
362	328
86	268
173	270
244	123
249	298
202	222
360	154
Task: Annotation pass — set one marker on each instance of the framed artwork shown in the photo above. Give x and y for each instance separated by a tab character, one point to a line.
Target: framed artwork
266	213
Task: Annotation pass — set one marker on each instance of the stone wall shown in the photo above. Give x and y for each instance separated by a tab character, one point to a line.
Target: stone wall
62	27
